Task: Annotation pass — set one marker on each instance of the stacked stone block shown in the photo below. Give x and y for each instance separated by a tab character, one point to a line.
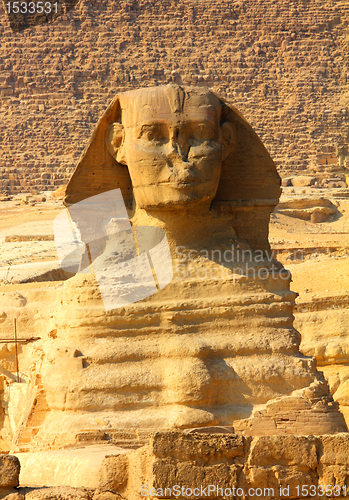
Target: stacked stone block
284	65
262	467
9	476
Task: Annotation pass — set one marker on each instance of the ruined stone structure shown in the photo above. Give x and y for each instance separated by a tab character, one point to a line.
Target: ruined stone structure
267	467
323	323
180	465
200	352
284	65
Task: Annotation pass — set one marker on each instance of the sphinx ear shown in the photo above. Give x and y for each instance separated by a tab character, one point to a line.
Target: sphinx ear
228	138
115	142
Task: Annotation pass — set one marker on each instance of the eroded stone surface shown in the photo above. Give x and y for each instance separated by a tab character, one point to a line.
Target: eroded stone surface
9	471
58	493
268	463
200	352
284	67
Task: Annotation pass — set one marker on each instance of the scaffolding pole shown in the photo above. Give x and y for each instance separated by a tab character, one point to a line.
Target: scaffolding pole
16	347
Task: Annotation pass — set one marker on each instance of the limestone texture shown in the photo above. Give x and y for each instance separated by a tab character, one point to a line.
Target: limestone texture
194	462
9	471
284	67
182	465
58	493
200	352
317	255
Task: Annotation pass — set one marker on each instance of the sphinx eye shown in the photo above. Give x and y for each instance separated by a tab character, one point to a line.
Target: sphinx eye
153	134
203	132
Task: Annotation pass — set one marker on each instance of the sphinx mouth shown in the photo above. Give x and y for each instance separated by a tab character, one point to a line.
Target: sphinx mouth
182	184
183	178
191	183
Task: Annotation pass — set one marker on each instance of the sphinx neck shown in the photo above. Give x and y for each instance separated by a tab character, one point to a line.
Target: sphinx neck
186	227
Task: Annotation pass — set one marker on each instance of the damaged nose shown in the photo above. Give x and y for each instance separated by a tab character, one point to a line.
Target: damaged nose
181	170
177	149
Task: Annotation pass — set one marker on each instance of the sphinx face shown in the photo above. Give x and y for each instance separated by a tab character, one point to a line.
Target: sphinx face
173	147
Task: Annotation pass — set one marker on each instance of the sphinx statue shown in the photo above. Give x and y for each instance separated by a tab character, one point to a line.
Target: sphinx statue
215	346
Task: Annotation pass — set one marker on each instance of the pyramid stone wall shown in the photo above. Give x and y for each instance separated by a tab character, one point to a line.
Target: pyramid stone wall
284	65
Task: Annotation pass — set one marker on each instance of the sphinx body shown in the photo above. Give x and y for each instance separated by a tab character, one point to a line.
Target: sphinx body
216	346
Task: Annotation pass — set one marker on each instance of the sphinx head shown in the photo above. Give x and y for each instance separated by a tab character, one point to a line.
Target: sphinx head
173	147
173	142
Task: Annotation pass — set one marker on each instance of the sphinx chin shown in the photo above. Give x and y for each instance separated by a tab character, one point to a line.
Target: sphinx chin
172	196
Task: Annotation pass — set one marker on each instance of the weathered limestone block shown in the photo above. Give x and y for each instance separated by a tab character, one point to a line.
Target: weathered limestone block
9	477
325	334
303	180
304	412
266	464
106	495
185	446
334	460
176	458
113	473
12	495
285	461
325	337
9	471
315	210
58	493
168	472
191	460
298	451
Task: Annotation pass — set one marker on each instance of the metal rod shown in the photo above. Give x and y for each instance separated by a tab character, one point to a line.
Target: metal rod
16	345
